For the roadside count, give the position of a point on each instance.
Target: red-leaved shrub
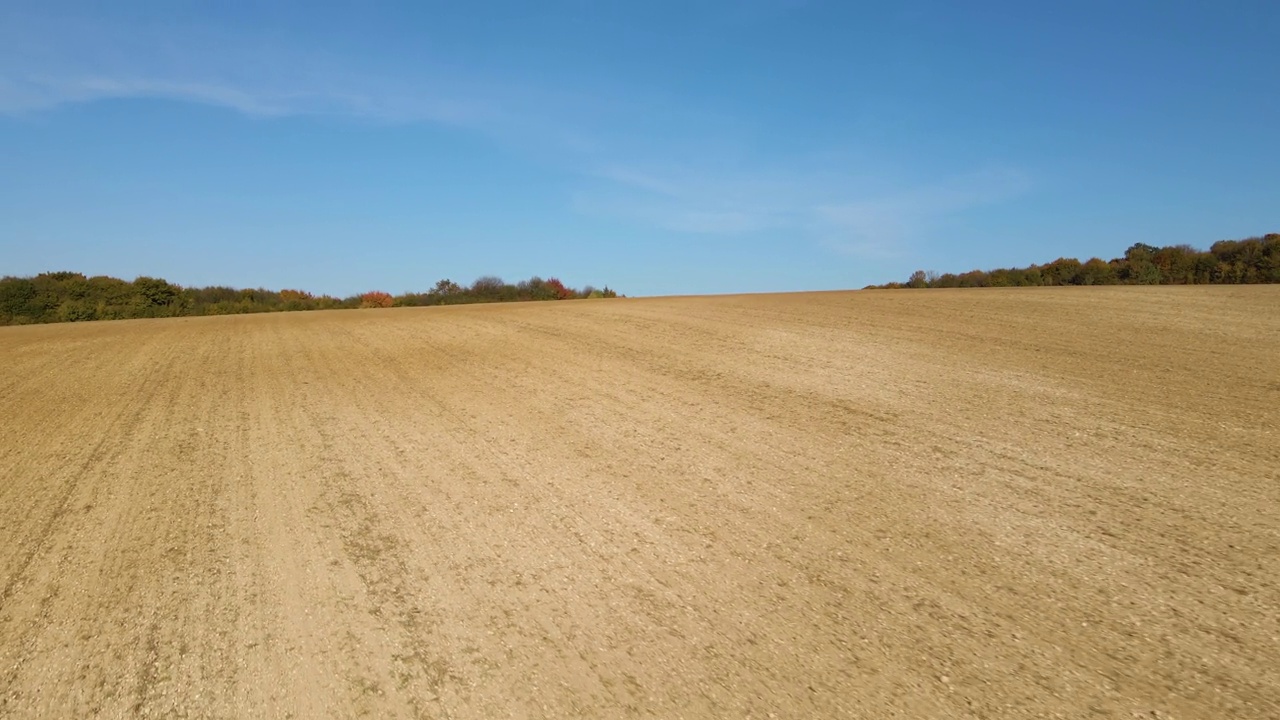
(376, 299)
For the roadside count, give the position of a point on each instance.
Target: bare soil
(999, 504)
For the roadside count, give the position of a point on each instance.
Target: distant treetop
(70, 296)
(1250, 261)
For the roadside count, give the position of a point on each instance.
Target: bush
(71, 297)
(1252, 260)
(376, 299)
(558, 289)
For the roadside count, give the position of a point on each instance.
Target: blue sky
(657, 147)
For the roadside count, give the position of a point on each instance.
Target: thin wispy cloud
(45, 64)
(351, 99)
(847, 214)
(694, 200)
(676, 216)
(881, 225)
(38, 93)
(689, 182)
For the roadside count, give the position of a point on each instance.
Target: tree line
(72, 297)
(1250, 261)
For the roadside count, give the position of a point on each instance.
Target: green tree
(155, 295)
(1097, 271)
(17, 300)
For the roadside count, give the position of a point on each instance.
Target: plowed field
(1005, 503)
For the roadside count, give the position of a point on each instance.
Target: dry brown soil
(1006, 503)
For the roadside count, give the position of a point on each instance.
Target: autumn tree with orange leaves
(376, 299)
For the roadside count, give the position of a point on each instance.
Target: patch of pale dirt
(999, 504)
